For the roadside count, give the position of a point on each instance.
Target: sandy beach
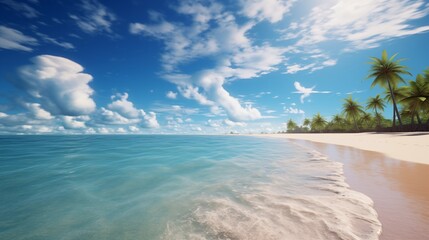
(391, 168)
(411, 147)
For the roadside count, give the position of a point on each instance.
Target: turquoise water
(175, 187)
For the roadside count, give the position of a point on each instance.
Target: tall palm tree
(318, 123)
(375, 103)
(352, 110)
(398, 93)
(417, 96)
(387, 72)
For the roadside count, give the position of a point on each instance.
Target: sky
(195, 67)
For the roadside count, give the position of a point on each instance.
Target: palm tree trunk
(395, 108)
(394, 117)
(378, 119)
(418, 118)
(354, 119)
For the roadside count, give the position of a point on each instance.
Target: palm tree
(306, 123)
(366, 119)
(398, 93)
(318, 123)
(291, 125)
(387, 72)
(417, 97)
(379, 118)
(337, 121)
(375, 103)
(352, 110)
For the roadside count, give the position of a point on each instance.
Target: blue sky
(194, 67)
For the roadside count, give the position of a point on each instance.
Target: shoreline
(404, 146)
(397, 184)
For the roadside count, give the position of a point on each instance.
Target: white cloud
(362, 24)
(171, 95)
(272, 10)
(37, 111)
(124, 107)
(15, 40)
(111, 117)
(95, 18)
(23, 8)
(305, 92)
(133, 129)
(150, 120)
(54, 41)
(60, 85)
(292, 110)
(212, 32)
(70, 122)
(234, 124)
(123, 112)
(292, 69)
(121, 130)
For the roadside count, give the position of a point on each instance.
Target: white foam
(314, 204)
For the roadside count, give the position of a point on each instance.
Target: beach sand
(411, 147)
(392, 169)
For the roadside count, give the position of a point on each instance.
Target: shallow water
(175, 187)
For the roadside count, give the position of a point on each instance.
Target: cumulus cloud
(38, 112)
(213, 32)
(70, 122)
(271, 10)
(124, 107)
(96, 18)
(123, 112)
(111, 117)
(171, 95)
(305, 92)
(15, 40)
(60, 85)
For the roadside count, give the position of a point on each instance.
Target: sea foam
(316, 203)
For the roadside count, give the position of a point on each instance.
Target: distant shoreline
(405, 146)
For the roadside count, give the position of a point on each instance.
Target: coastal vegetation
(409, 100)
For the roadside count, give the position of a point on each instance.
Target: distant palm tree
(417, 97)
(378, 118)
(352, 110)
(387, 72)
(318, 123)
(375, 103)
(291, 125)
(337, 119)
(366, 119)
(306, 123)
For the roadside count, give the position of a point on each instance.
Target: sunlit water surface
(175, 187)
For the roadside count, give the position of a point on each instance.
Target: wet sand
(399, 189)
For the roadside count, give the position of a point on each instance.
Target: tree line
(410, 101)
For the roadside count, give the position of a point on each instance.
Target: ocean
(175, 187)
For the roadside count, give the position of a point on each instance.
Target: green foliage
(412, 97)
(387, 73)
(352, 110)
(291, 126)
(318, 123)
